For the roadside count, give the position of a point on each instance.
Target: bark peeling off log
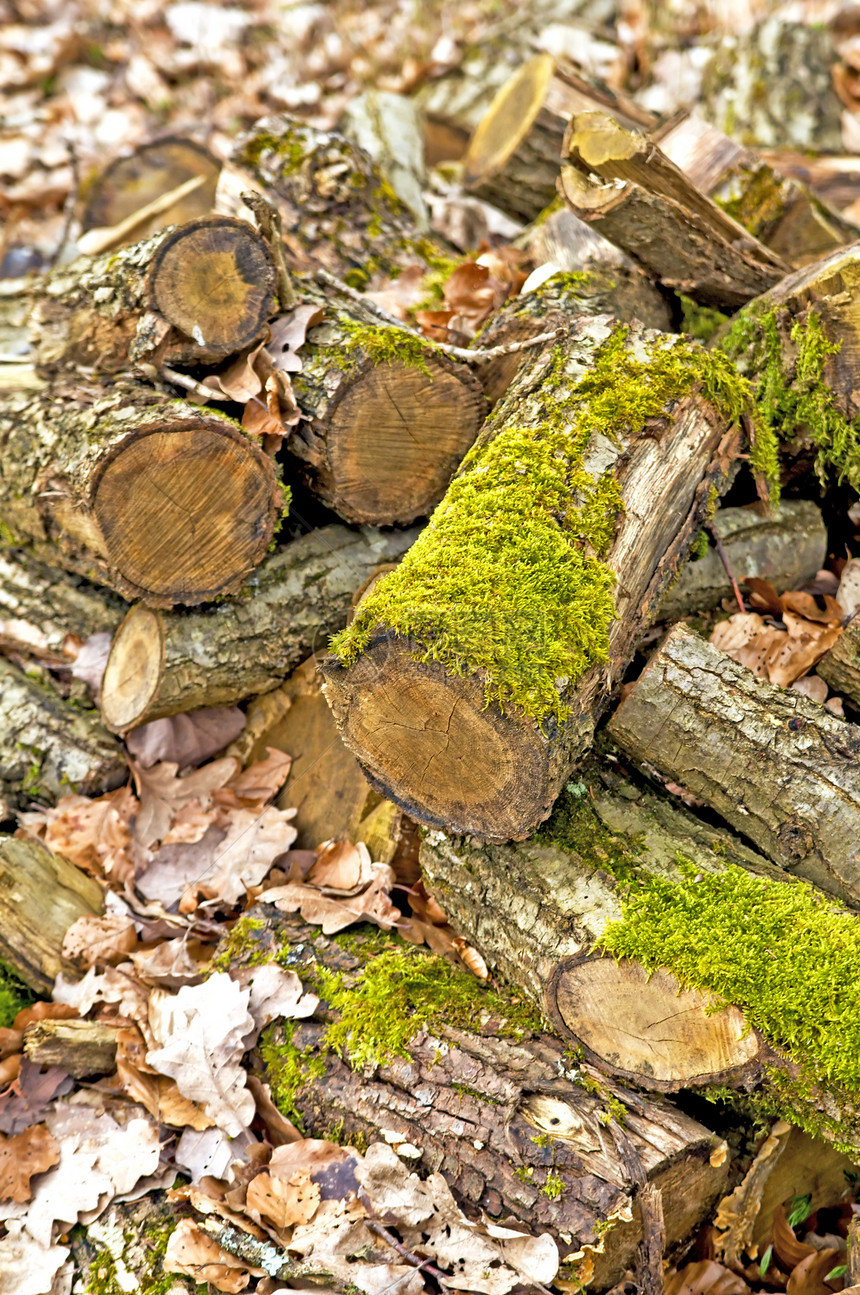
(150, 496)
(778, 767)
(500, 603)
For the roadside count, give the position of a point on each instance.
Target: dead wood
(47, 613)
(80, 1048)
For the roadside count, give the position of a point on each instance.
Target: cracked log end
(185, 512)
(214, 279)
(430, 743)
(134, 669)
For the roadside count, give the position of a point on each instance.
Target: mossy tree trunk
(164, 663)
(470, 680)
(481, 1094)
(136, 490)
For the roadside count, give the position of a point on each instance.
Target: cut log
(777, 766)
(595, 290)
(387, 418)
(786, 546)
(41, 895)
(647, 206)
(497, 1110)
(336, 208)
(164, 663)
(48, 747)
(470, 679)
(388, 127)
(148, 495)
(683, 906)
(131, 183)
(46, 614)
(212, 279)
(80, 1048)
(840, 667)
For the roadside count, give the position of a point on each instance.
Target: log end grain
(508, 119)
(134, 669)
(130, 183)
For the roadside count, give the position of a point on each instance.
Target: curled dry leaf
(471, 958)
(778, 654)
(162, 794)
(288, 336)
(91, 660)
(261, 780)
(706, 1277)
(274, 992)
(186, 739)
(788, 1250)
(341, 868)
(192, 1252)
(282, 1202)
(169, 965)
(27, 1153)
(29, 1097)
(807, 1278)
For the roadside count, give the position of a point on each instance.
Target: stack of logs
(471, 682)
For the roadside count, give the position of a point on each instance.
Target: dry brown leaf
(333, 915)
(736, 632)
(26, 1266)
(170, 965)
(28, 1098)
(92, 834)
(162, 794)
(803, 604)
(274, 992)
(279, 1130)
(11, 1041)
(400, 296)
(471, 958)
(186, 739)
(107, 939)
(811, 686)
(706, 1277)
(788, 1250)
(763, 595)
(21, 1157)
(341, 867)
(44, 1011)
(240, 380)
(283, 1202)
(192, 1252)
(261, 780)
(807, 1278)
(288, 336)
(472, 293)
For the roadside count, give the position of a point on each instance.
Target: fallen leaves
(29, 1152)
(785, 637)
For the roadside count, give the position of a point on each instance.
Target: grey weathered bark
(496, 1115)
(777, 766)
(496, 772)
(840, 667)
(162, 663)
(46, 613)
(49, 748)
(135, 489)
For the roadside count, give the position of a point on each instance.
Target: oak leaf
(27, 1153)
(104, 939)
(192, 1252)
(283, 1202)
(162, 794)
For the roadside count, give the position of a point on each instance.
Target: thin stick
(268, 220)
(724, 558)
(391, 1240)
(96, 241)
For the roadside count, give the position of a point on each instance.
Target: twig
(70, 204)
(272, 1259)
(724, 558)
(182, 380)
(465, 354)
(268, 220)
(391, 1240)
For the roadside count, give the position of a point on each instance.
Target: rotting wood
(48, 747)
(133, 489)
(778, 767)
(163, 663)
(499, 1111)
(429, 690)
(647, 206)
(41, 895)
(46, 613)
(80, 1048)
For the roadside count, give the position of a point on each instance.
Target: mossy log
(840, 667)
(45, 613)
(781, 212)
(724, 970)
(337, 210)
(480, 1095)
(646, 205)
(785, 546)
(777, 766)
(556, 303)
(471, 678)
(164, 663)
(48, 747)
(41, 895)
(144, 493)
(190, 296)
(386, 418)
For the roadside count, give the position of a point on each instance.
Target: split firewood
(595, 290)
(46, 613)
(491, 1103)
(470, 679)
(840, 666)
(80, 1048)
(784, 546)
(647, 205)
(41, 895)
(723, 968)
(193, 295)
(135, 489)
(164, 663)
(129, 186)
(387, 418)
(777, 766)
(48, 747)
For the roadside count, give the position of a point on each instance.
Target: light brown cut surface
(134, 668)
(201, 499)
(648, 1026)
(508, 119)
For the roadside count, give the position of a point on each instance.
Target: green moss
(554, 1185)
(289, 1069)
(383, 346)
(574, 825)
(103, 1278)
(758, 204)
(508, 580)
(699, 547)
(7, 535)
(403, 991)
(290, 150)
(14, 995)
(699, 321)
(242, 945)
(786, 361)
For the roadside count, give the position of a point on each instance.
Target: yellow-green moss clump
(14, 996)
(509, 580)
(785, 360)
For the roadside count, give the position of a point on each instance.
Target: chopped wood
(81, 1048)
(46, 613)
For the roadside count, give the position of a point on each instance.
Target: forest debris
(188, 739)
(780, 653)
(29, 1152)
(705, 1277)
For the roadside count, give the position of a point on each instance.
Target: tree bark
(164, 663)
(41, 895)
(46, 614)
(685, 241)
(840, 667)
(80, 1048)
(387, 418)
(491, 581)
(49, 748)
(146, 494)
(596, 290)
(778, 767)
(785, 547)
(479, 1105)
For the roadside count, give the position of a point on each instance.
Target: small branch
(182, 380)
(332, 281)
(268, 220)
(724, 558)
(272, 1259)
(391, 1240)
